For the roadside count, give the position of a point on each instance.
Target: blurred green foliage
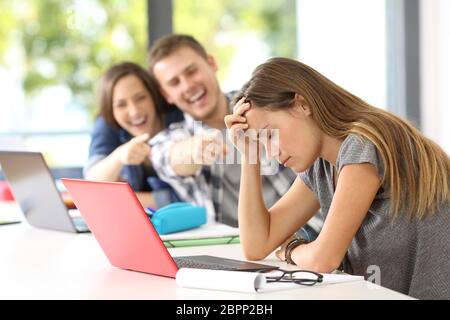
(72, 42)
(214, 22)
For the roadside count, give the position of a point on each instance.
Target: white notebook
(210, 230)
(246, 282)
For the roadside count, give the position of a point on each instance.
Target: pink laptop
(125, 233)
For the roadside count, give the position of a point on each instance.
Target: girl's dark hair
(109, 81)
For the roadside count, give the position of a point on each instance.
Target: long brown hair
(109, 81)
(416, 170)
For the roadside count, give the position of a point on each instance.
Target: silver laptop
(35, 191)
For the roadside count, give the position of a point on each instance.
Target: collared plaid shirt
(205, 188)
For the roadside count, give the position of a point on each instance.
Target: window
(240, 34)
(52, 54)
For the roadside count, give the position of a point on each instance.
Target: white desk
(42, 264)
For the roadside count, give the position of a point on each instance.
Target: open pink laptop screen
(116, 218)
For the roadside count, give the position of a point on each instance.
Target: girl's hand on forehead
(237, 118)
(241, 107)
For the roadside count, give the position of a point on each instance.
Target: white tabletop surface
(42, 264)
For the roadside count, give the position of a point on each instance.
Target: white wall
(345, 40)
(435, 70)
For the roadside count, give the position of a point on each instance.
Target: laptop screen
(35, 191)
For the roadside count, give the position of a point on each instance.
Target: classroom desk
(43, 264)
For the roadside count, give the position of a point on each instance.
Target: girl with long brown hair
(383, 187)
(132, 111)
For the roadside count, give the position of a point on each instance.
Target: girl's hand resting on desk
(135, 151)
(238, 132)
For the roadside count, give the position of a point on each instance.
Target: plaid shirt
(205, 188)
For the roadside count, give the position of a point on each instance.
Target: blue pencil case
(177, 217)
